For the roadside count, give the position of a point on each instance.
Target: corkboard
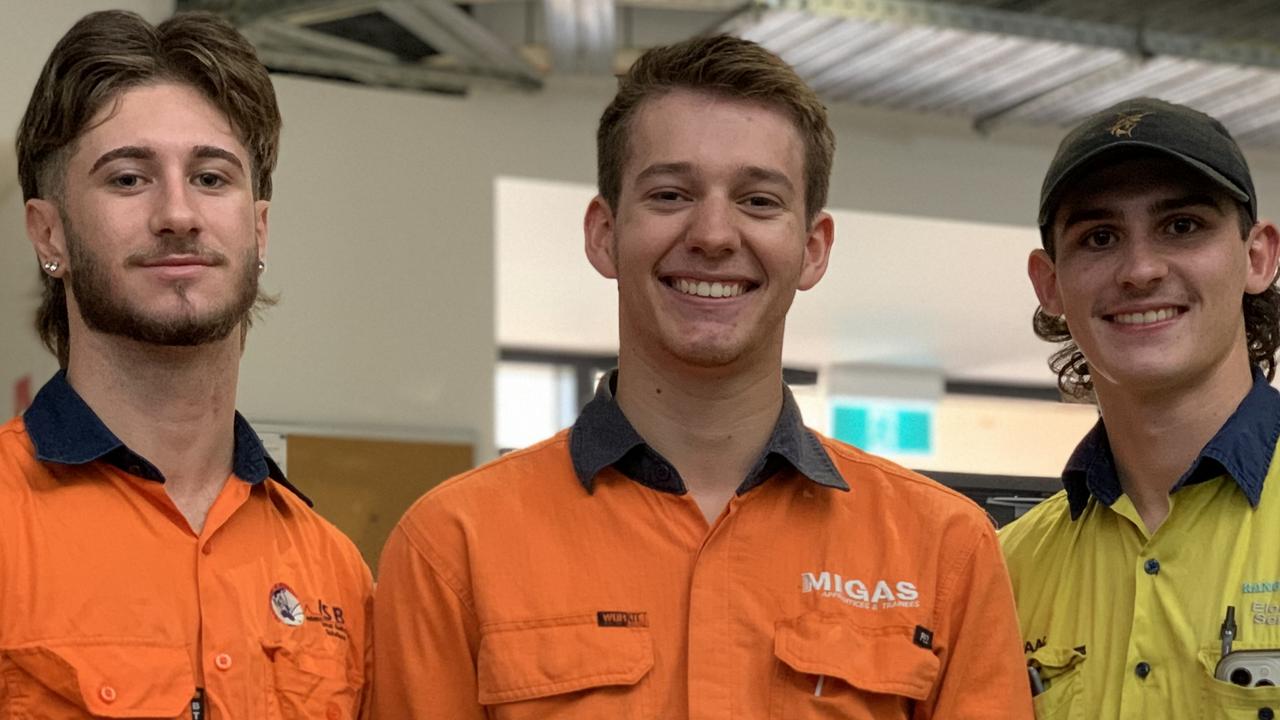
(364, 486)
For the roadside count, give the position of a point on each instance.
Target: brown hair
(1261, 327)
(107, 53)
(722, 65)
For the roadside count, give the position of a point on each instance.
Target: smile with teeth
(703, 288)
(1146, 318)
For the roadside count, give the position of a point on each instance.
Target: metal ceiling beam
(370, 73)
(268, 33)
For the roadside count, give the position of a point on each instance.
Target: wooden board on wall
(364, 486)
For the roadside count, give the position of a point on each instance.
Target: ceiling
(990, 61)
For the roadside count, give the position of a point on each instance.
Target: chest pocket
(1061, 671)
(565, 668)
(75, 681)
(309, 680)
(827, 668)
(1224, 701)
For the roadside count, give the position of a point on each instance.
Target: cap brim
(1055, 193)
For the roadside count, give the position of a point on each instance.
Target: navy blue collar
(1241, 449)
(602, 436)
(65, 430)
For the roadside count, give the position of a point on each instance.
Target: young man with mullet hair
(688, 549)
(1147, 588)
(154, 562)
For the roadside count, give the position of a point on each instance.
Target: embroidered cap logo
(1125, 124)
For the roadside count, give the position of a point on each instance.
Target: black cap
(1149, 124)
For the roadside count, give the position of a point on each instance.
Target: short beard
(106, 310)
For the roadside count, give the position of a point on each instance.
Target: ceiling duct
(581, 35)
(429, 45)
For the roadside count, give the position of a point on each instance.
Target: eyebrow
(752, 172)
(762, 174)
(137, 152)
(1090, 214)
(217, 153)
(676, 168)
(133, 152)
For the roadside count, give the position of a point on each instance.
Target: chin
(707, 354)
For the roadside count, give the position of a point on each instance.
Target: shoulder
(17, 454)
(325, 545)
(517, 484)
(1036, 531)
(893, 489)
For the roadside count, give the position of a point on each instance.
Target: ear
(44, 230)
(1264, 252)
(597, 227)
(817, 250)
(260, 208)
(1044, 278)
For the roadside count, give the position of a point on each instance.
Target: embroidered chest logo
(1126, 123)
(330, 617)
(289, 610)
(1262, 611)
(285, 605)
(867, 595)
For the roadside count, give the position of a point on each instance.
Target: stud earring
(261, 266)
(51, 266)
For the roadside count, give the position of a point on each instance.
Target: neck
(711, 423)
(1155, 435)
(174, 406)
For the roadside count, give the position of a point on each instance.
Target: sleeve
(984, 674)
(425, 639)
(366, 692)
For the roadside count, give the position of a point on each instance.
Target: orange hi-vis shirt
(110, 606)
(577, 580)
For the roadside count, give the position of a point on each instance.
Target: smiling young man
(688, 549)
(1158, 276)
(153, 559)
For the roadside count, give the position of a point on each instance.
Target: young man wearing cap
(154, 562)
(688, 549)
(1157, 276)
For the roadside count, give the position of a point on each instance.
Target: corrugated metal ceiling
(1029, 61)
(992, 61)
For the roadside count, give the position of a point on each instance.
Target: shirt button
(1266, 714)
(333, 712)
(208, 548)
(107, 693)
(1152, 566)
(222, 661)
(1142, 669)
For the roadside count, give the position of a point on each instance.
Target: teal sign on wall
(884, 427)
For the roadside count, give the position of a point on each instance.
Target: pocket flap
(872, 659)
(1053, 660)
(521, 661)
(112, 680)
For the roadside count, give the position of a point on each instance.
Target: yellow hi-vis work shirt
(1127, 624)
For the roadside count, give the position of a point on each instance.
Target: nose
(175, 210)
(1142, 263)
(712, 229)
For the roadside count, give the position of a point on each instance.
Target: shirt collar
(1241, 449)
(65, 430)
(603, 437)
